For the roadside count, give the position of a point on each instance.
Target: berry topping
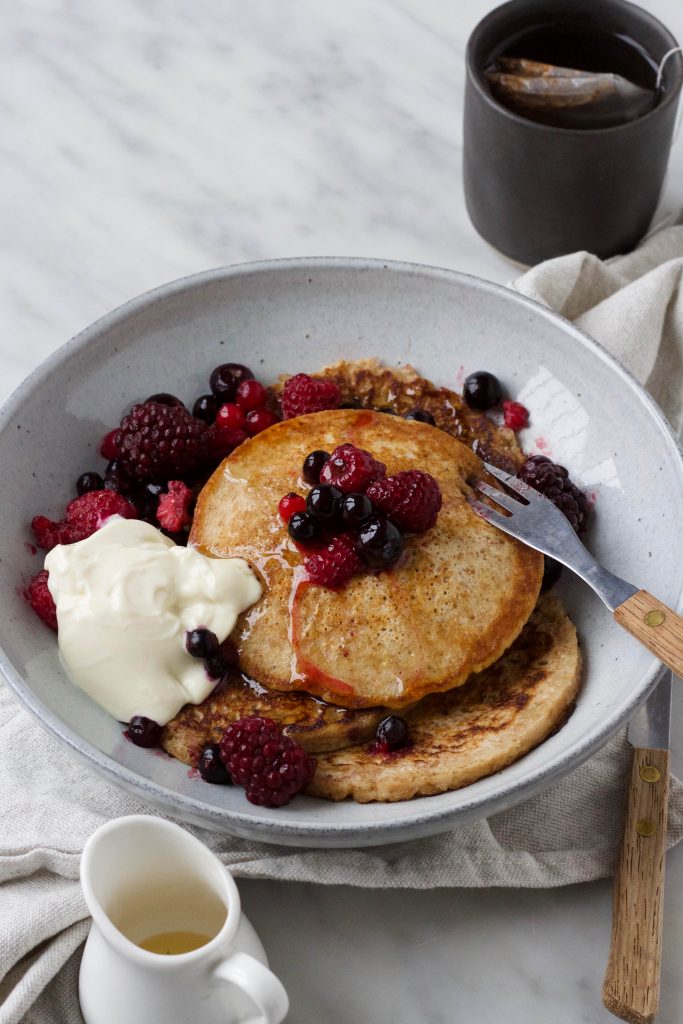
(161, 442)
(218, 665)
(351, 469)
(164, 398)
(230, 417)
(515, 415)
(325, 504)
(226, 378)
(335, 563)
(482, 390)
(258, 420)
(211, 767)
(89, 482)
(251, 395)
(201, 642)
(313, 463)
(303, 528)
(422, 416)
(392, 734)
(356, 508)
(380, 543)
(553, 480)
(205, 408)
(302, 394)
(220, 441)
(116, 478)
(84, 515)
(271, 767)
(143, 732)
(41, 600)
(173, 510)
(290, 504)
(108, 445)
(412, 498)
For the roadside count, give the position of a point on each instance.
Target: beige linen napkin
(49, 803)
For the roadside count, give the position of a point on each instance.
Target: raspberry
(335, 563)
(271, 767)
(515, 415)
(83, 517)
(351, 469)
(412, 499)
(173, 511)
(302, 394)
(290, 504)
(41, 600)
(553, 481)
(161, 442)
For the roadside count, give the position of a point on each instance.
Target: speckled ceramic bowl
(297, 315)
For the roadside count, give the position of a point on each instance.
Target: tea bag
(566, 97)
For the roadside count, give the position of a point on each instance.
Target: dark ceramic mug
(534, 191)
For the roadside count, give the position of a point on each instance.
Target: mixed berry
(354, 517)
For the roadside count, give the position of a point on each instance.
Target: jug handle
(259, 983)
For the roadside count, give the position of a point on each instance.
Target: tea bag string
(658, 84)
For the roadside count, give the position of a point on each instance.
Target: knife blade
(631, 986)
(650, 727)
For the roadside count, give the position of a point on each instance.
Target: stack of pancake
(455, 639)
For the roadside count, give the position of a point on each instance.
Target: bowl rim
(293, 830)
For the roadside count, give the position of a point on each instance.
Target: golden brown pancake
(460, 597)
(374, 386)
(475, 730)
(315, 725)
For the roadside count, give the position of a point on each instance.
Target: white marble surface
(142, 140)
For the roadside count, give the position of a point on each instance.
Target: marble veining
(144, 141)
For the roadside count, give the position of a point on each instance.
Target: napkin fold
(50, 803)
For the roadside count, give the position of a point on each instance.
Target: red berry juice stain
(591, 498)
(460, 378)
(31, 548)
(303, 669)
(193, 773)
(542, 445)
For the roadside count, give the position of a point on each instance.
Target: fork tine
(500, 497)
(489, 514)
(513, 482)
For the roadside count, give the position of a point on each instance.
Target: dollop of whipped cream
(126, 597)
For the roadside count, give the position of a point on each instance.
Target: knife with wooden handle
(631, 987)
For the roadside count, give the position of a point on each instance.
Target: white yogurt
(126, 597)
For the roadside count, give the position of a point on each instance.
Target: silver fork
(535, 520)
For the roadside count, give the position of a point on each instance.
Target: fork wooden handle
(656, 626)
(631, 986)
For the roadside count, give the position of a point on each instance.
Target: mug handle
(259, 983)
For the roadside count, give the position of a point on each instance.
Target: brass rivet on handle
(649, 773)
(654, 618)
(645, 827)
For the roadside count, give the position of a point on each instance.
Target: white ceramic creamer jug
(148, 882)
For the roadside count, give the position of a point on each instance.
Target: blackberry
(161, 442)
(552, 480)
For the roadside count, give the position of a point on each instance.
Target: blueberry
(201, 642)
(482, 390)
(313, 463)
(216, 666)
(380, 542)
(153, 490)
(303, 528)
(89, 482)
(422, 416)
(226, 378)
(393, 732)
(163, 398)
(211, 767)
(116, 478)
(143, 732)
(205, 408)
(324, 503)
(356, 508)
